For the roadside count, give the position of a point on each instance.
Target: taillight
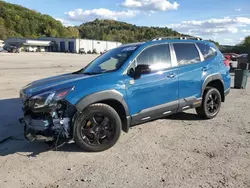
(226, 62)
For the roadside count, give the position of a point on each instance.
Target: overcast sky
(225, 21)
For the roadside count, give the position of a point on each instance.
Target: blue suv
(129, 85)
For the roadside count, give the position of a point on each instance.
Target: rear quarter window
(207, 51)
(186, 53)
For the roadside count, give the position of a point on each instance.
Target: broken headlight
(48, 99)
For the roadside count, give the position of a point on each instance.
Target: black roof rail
(180, 38)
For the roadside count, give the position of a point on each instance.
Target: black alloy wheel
(97, 128)
(211, 103)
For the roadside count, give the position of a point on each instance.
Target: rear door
(190, 69)
(209, 55)
(214, 63)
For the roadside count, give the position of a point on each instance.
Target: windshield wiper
(77, 72)
(91, 73)
(87, 73)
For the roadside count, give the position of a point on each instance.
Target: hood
(52, 83)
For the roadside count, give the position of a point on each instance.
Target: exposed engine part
(65, 123)
(51, 125)
(61, 124)
(39, 124)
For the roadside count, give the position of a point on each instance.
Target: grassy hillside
(17, 21)
(121, 31)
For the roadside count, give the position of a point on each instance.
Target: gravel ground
(178, 151)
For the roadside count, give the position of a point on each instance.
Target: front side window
(110, 61)
(157, 57)
(186, 53)
(206, 51)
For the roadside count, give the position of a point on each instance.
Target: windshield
(110, 61)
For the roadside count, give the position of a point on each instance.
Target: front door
(156, 93)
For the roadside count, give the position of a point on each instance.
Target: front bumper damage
(50, 125)
(45, 130)
(34, 129)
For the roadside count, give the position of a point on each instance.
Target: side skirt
(164, 110)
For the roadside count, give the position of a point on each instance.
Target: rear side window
(158, 57)
(206, 51)
(186, 53)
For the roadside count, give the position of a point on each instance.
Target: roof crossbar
(180, 38)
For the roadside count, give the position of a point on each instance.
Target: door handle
(172, 75)
(204, 69)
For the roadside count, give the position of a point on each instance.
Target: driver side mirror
(139, 70)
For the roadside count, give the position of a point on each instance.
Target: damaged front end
(47, 116)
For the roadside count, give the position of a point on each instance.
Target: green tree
(216, 43)
(242, 48)
(3, 32)
(73, 32)
(16, 21)
(246, 42)
(121, 31)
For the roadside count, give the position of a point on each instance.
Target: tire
(89, 124)
(205, 110)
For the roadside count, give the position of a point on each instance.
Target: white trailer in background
(95, 45)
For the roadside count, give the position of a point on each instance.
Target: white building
(52, 44)
(74, 45)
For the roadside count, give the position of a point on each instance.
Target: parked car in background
(232, 59)
(233, 56)
(1, 49)
(94, 51)
(103, 52)
(82, 51)
(227, 59)
(39, 49)
(243, 56)
(13, 49)
(31, 49)
(126, 86)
